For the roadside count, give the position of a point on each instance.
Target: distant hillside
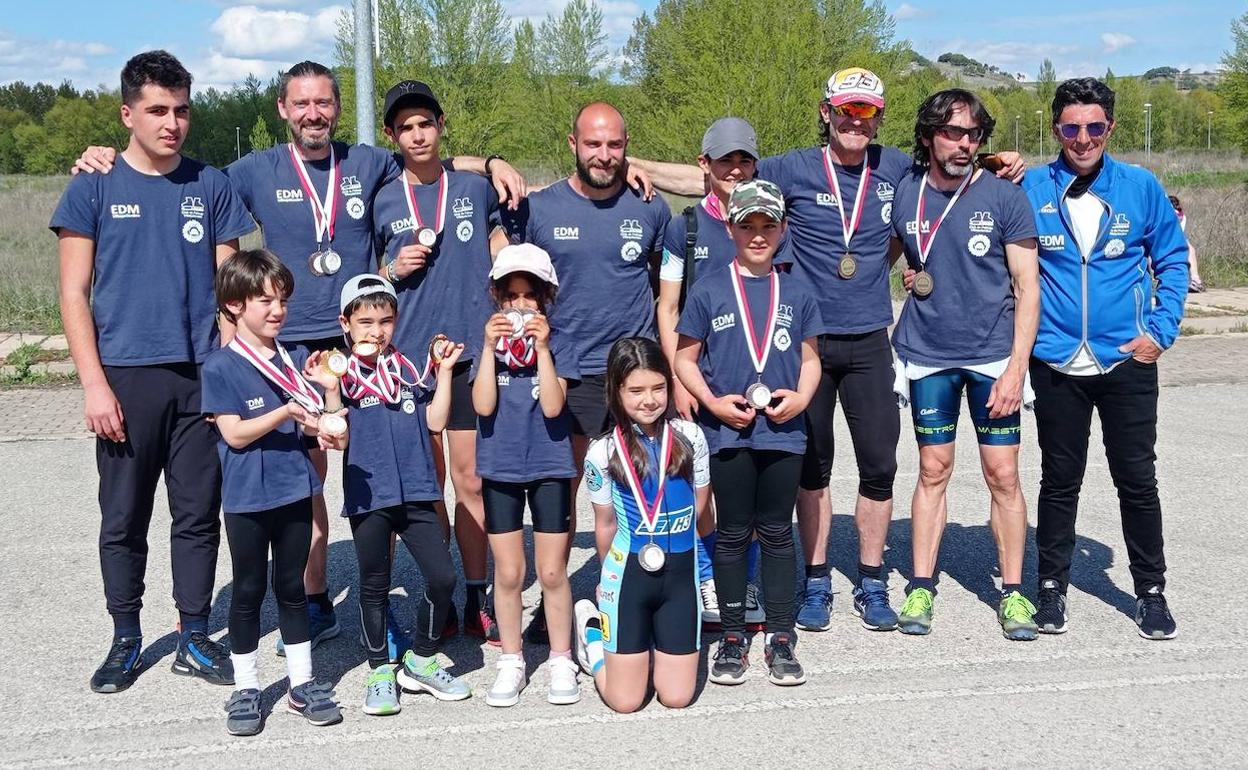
(975, 74)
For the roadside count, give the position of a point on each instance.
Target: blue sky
(221, 41)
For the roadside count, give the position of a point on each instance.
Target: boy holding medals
(390, 487)
(747, 352)
(262, 406)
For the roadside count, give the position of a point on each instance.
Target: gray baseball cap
(729, 135)
(361, 286)
(755, 195)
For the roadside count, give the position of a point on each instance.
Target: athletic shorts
(463, 416)
(641, 611)
(550, 501)
(934, 403)
(587, 402)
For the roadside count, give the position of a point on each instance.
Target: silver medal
(425, 236)
(331, 261)
(651, 557)
(314, 263)
(758, 395)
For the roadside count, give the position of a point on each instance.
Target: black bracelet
(490, 160)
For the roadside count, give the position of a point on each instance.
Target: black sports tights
(288, 531)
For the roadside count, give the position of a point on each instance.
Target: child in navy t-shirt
(524, 452)
(390, 487)
(264, 405)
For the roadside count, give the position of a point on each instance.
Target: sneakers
(397, 642)
(871, 605)
(1153, 617)
(755, 614)
(242, 712)
(916, 613)
(1050, 614)
(314, 701)
(782, 666)
(710, 601)
(322, 625)
(429, 676)
(120, 667)
(1016, 614)
(381, 693)
(479, 622)
(731, 660)
(510, 680)
(583, 612)
(815, 614)
(536, 633)
(202, 657)
(564, 689)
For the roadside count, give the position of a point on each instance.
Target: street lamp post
(238, 147)
(1040, 121)
(1016, 119)
(1148, 131)
(1209, 132)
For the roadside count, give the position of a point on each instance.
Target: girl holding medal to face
(524, 453)
(390, 487)
(645, 479)
(263, 405)
(747, 352)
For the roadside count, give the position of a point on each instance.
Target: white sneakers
(511, 680)
(564, 688)
(710, 601)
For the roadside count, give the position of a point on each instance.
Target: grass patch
(1190, 331)
(25, 360)
(1197, 311)
(1212, 179)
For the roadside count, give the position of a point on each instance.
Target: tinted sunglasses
(955, 133)
(860, 110)
(1071, 130)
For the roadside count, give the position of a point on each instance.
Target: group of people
(684, 370)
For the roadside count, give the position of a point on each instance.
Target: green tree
(573, 46)
(1235, 87)
(260, 138)
(1046, 81)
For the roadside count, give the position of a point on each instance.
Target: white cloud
(906, 11)
(35, 60)
(1010, 56)
(617, 16)
(217, 70)
(1116, 41)
(246, 31)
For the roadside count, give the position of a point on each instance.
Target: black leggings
(288, 530)
(550, 501)
(754, 493)
(417, 524)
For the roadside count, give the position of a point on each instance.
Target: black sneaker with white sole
(201, 657)
(732, 659)
(1153, 617)
(1050, 614)
(120, 667)
(782, 665)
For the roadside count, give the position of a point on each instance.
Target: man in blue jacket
(1106, 233)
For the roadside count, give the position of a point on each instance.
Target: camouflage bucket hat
(755, 195)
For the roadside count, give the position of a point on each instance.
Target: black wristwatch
(490, 160)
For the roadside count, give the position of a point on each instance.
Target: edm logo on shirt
(1052, 242)
(912, 228)
(125, 211)
(825, 199)
(401, 225)
(289, 196)
(725, 321)
(567, 234)
(255, 403)
(701, 252)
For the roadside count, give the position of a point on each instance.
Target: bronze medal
(848, 266)
(439, 348)
(923, 284)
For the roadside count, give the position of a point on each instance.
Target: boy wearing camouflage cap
(747, 352)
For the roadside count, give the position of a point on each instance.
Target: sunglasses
(860, 110)
(955, 133)
(1071, 130)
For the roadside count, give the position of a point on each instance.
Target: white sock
(246, 677)
(299, 663)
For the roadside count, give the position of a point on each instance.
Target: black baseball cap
(409, 93)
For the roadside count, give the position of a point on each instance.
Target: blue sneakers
(815, 614)
(121, 667)
(321, 626)
(198, 655)
(871, 605)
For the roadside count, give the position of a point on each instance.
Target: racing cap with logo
(755, 195)
(409, 93)
(361, 286)
(524, 258)
(729, 135)
(854, 84)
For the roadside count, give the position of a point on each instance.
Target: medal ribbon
(517, 352)
(291, 380)
(848, 227)
(759, 350)
(323, 211)
(386, 380)
(414, 210)
(649, 513)
(925, 247)
(714, 208)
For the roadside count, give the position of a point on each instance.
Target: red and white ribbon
(649, 512)
(286, 377)
(760, 349)
(517, 352)
(385, 380)
(323, 210)
(925, 246)
(848, 226)
(414, 210)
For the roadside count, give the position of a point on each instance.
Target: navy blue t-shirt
(389, 459)
(711, 315)
(270, 186)
(518, 443)
(712, 249)
(450, 295)
(274, 470)
(152, 295)
(815, 237)
(968, 318)
(601, 252)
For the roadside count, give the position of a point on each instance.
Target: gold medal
(848, 266)
(335, 363)
(439, 348)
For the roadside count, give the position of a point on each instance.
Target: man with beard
(839, 196)
(605, 241)
(968, 325)
(313, 199)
